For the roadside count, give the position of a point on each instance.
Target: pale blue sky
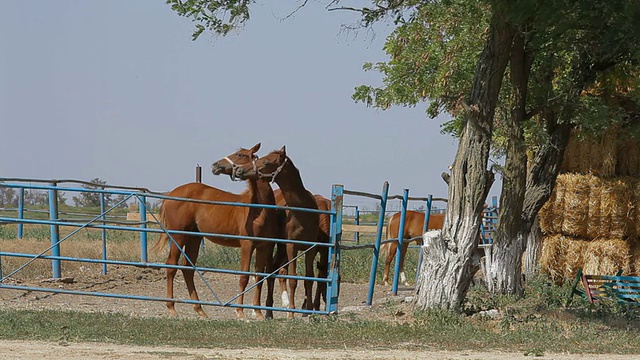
(117, 90)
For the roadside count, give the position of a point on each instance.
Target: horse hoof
(239, 315)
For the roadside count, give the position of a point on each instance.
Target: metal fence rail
(100, 221)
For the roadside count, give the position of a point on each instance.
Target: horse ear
(283, 149)
(255, 148)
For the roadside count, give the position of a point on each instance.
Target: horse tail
(384, 248)
(164, 237)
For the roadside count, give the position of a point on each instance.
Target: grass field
(534, 325)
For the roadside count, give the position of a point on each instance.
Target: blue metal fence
(100, 221)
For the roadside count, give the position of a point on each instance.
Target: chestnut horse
(413, 230)
(278, 167)
(322, 264)
(220, 219)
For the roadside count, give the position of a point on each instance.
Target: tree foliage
(89, 199)
(516, 75)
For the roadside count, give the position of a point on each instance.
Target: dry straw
(571, 159)
(591, 207)
(546, 214)
(551, 259)
(576, 205)
(624, 212)
(558, 205)
(635, 260)
(605, 154)
(586, 153)
(593, 217)
(636, 202)
(575, 249)
(607, 256)
(628, 158)
(562, 256)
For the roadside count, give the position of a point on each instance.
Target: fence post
(198, 173)
(376, 246)
(55, 231)
(356, 235)
(333, 287)
(21, 212)
(143, 225)
(104, 233)
(403, 214)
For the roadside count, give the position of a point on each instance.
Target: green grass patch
(431, 329)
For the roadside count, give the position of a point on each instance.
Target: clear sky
(118, 90)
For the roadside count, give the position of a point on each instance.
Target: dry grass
(72, 247)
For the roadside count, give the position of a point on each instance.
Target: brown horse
(413, 226)
(220, 219)
(278, 167)
(322, 264)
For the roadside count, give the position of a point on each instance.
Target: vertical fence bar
(396, 272)
(425, 227)
(356, 235)
(143, 225)
(376, 246)
(20, 212)
(333, 288)
(55, 231)
(104, 233)
(198, 173)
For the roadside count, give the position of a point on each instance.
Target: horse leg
(172, 259)
(393, 247)
(293, 283)
(309, 262)
(261, 265)
(279, 261)
(191, 250)
(323, 272)
(246, 250)
(403, 277)
(307, 304)
(269, 268)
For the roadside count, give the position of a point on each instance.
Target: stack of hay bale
(592, 219)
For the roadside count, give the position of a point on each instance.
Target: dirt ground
(147, 282)
(152, 283)
(82, 351)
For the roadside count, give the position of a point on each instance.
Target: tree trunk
(448, 265)
(507, 255)
(504, 273)
(532, 252)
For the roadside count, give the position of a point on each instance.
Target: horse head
(229, 164)
(266, 167)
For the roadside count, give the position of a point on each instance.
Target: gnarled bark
(448, 265)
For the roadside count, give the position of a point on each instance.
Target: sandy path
(71, 351)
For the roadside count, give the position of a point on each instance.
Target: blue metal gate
(101, 221)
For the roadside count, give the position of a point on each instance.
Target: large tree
(557, 51)
(458, 55)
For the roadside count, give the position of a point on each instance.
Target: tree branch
(304, 3)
